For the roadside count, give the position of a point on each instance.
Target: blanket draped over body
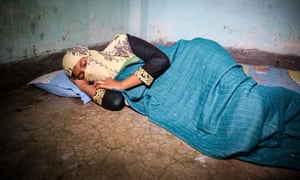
(206, 100)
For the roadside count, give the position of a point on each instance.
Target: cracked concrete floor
(49, 137)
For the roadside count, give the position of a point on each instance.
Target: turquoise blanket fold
(206, 100)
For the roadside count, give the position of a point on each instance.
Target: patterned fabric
(144, 76)
(97, 98)
(72, 56)
(119, 46)
(110, 61)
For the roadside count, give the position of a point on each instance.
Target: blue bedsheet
(206, 100)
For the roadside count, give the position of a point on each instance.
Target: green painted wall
(37, 27)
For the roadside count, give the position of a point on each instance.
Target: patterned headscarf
(101, 64)
(72, 56)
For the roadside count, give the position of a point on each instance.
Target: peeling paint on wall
(39, 27)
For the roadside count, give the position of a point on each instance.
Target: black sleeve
(113, 100)
(156, 62)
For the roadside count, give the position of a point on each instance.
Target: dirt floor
(44, 136)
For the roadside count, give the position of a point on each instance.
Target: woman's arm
(156, 63)
(110, 83)
(108, 99)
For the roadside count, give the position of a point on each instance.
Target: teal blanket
(206, 100)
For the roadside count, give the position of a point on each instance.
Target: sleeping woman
(203, 97)
(100, 68)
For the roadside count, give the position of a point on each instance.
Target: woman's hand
(108, 83)
(82, 84)
(85, 87)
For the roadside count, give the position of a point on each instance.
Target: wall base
(257, 57)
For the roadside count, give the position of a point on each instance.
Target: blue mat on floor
(272, 76)
(206, 100)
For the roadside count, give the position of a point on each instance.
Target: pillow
(58, 83)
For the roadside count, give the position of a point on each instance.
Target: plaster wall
(32, 28)
(267, 25)
(36, 27)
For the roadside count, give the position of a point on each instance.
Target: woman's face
(79, 68)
